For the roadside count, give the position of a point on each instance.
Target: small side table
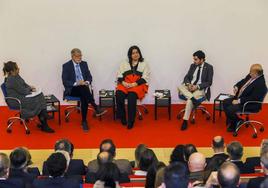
(218, 104)
(53, 105)
(107, 99)
(164, 101)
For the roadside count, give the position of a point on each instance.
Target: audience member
(57, 165)
(5, 181)
(148, 159)
(235, 151)
(189, 149)
(138, 151)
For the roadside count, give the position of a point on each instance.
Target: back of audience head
(57, 164)
(189, 149)
(108, 145)
(18, 158)
(197, 162)
(109, 174)
(104, 157)
(4, 165)
(148, 158)
(228, 175)
(235, 150)
(177, 154)
(65, 145)
(138, 151)
(176, 175)
(218, 144)
(264, 162)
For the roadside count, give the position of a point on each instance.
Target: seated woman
(132, 78)
(17, 88)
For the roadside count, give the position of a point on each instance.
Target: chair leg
(12, 120)
(250, 123)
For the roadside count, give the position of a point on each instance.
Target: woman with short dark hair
(30, 106)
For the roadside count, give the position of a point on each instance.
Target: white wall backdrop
(39, 34)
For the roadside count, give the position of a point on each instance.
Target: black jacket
(55, 183)
(256, 91)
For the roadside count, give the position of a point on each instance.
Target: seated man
(108, 145)
(176, 175)
(235, 151)
(57, 164)
(196, 84)
(18, 167)
(256, 182)
(228, 176)
(251, 88)
(196, 165)
(219, 156)
(76, 166)
(5, 182)
(76, 79)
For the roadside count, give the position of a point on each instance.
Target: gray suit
(17, 88)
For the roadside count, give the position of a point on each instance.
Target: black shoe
(130, 125)
(85, 126)
(123, 121)
(196, 103)
(99, 111)
(231, 128)
(184, 125)
(47, 129)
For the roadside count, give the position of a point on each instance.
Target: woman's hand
(33, 89)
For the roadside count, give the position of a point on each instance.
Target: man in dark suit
(76, 166)
(228, 176)
(235, 151)
(219, 156)
(196, 84)
(56, 165)
(251, 88)
(256, 182)
(76, 79)
(18, 169)
(5, 182)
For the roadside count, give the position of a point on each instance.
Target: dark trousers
(230, 111)
(43, 115)
(86, 97)
(132, 105)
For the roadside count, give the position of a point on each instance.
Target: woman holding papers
(32, 102)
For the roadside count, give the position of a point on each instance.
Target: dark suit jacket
(216, 161)
(34, 171)
(10, 183)
(244, 169)
(256, 182)
(256, 91)
(91, 177)
(55, 183)
(19, 174)
(253, 161)
(68, 75)
(206, 77)
(76, 167)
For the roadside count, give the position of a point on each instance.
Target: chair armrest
(250, 102)
(14, 99)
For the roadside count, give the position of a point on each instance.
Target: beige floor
(38, 156)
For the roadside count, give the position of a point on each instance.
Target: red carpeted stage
(155, 133)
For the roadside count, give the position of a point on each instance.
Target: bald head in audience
(4, 165)
(197, 162)
(228, 175)
(218, 144)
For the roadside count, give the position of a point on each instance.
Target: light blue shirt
(78, 73)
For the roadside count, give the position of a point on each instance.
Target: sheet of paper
(222, 97)
(33, 94)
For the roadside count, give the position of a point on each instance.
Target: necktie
(198, 75)
(244, 87)
(78, 73)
